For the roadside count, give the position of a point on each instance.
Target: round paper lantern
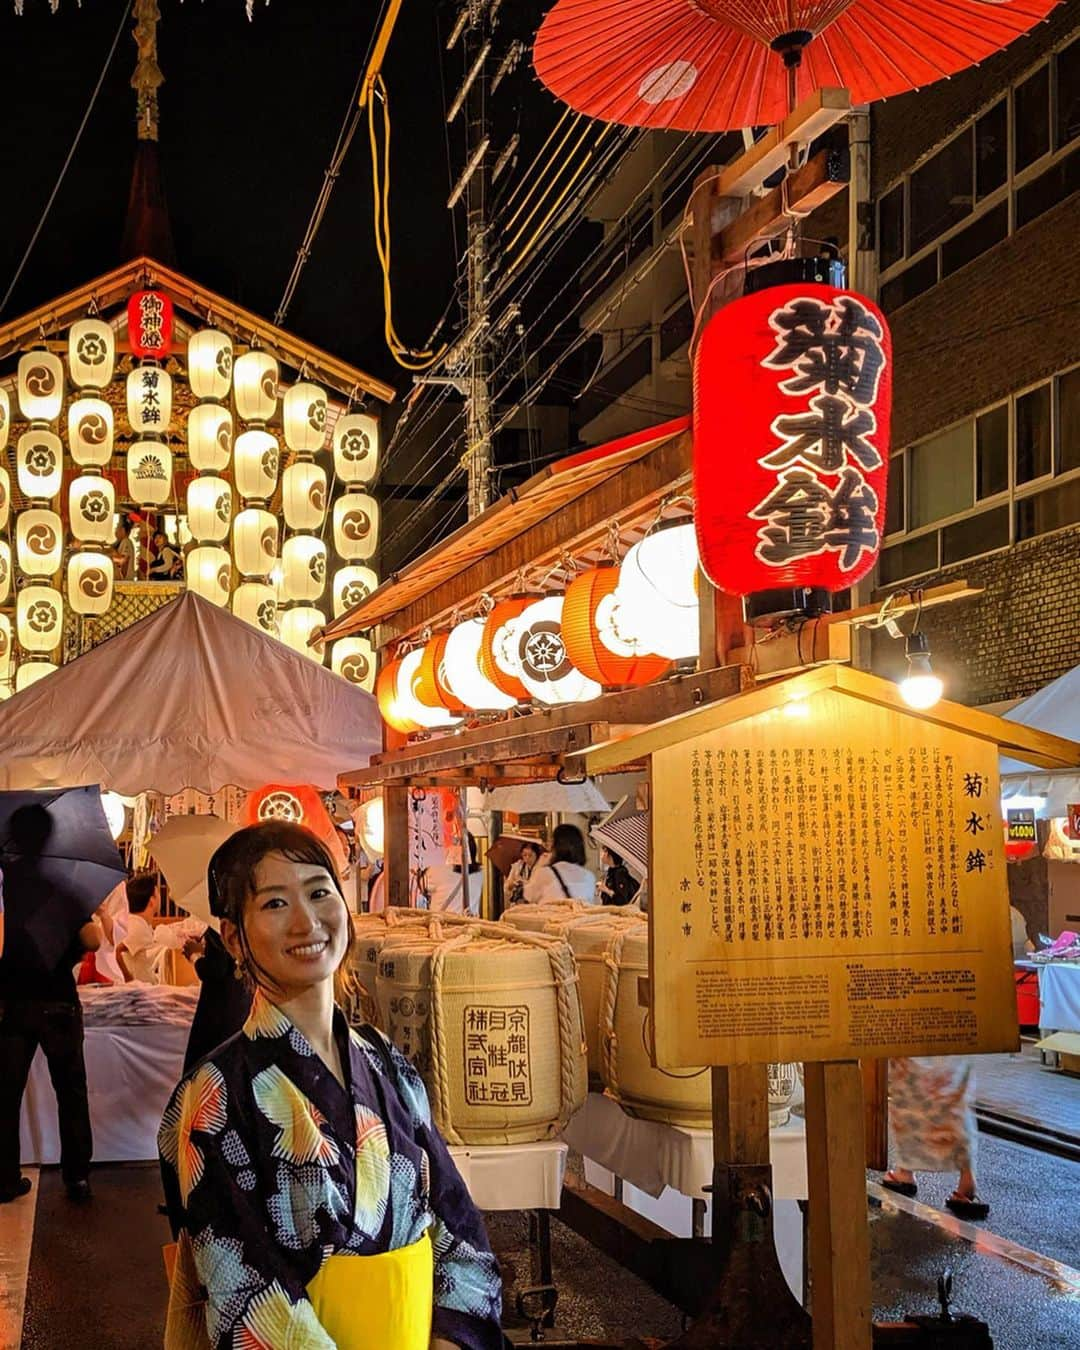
(90, 432)
(431, 676)
(255, 465)
(354, 660)
(30, 672)
(255, 382)
(90, 582)
(39, 618)
(792, 396)
(149, 473)
(255, 542)
(40, 386)
(39, 542)
(303, 565)
(210, 437)
(7, 649)
(149, 399)
(498, 646)
(5, 497)
(352, 585)
(39, 459)
(208, 572)
(654, 607)
(6, 570)
(386, 697)
(295, 627)
(408, 702)
(5, 418)
(545, 669)
(303, 495)
(150, 324)
(356, 526)
(371, 827)
(91, 506)
(356, 448)
(91, 353)
(256, 603)
(462, 674)
(210, 363)
(303, 416)
(588, 653)
(209, 509)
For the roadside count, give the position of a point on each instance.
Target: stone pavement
(1022, 1088)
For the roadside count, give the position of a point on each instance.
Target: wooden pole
(839, 1229)
(396, 824)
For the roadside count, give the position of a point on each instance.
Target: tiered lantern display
(91, 496)
(208, 567)
(39, 531)
(255, 531)
(356, 459)
(304, 556)
(149, 398)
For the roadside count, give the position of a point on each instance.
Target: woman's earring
(237, 974)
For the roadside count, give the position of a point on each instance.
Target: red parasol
(716, 65)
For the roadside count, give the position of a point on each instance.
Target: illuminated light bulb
(30, 672)
(356, 448)
(39, 542)
(356, 526)
(5, 418)
(303, 566)
(6, 571)
(39, 617)
(920, 688)
(256, 603)
(149, 400)
(90, 578)
(255, 542)
(115, 813)
(354, 660)
(303, 495)
(149, 473)
(39, 458)
(208, 571)
(91, 507)
(209, 509)
(542, 663)
(296, 626)
(351, 586)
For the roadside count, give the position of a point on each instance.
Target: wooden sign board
(828, 882)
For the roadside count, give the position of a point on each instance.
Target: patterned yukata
(932, 1114)
(271, 1167)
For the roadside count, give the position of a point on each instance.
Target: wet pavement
(1020, 1087)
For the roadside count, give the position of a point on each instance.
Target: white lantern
(296, 625)
(5, 418)
(90, 432)
(356, 448)
(210, 437)
(210, 363)
(208, 572)
(149, 473)
(149, 399)
(39, 618)
(7, 650)
(371, 823)
(256, 603)
(255, 542)
(209, 509)
(91, 506)
(115, 813)
(352, 585)
(90, 582)
(303, 415)
(356, 526)
(39, 459)
(40, 386)
(30, 672)
(5, 497)
(654, 608)
(303, 565)
(6, 569)
(542, 665)
(255, 381)
(461, 669)
(255, 465)
(354, 660)
(303, 495)
(91, 353)
(39, 542)
(409, 705)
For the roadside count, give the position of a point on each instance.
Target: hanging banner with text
(829, 883)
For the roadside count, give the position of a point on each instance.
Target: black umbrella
(59, 862)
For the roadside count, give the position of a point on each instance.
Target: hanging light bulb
(354, 660)
(29, 672)
(5, 571)
(210, 437)
(351, 586)
(296, 625)
(40, 386)
(39, 618)
(256, 465)
(90, 578)
(149, 400)
(208, 572)
(39, 458)
(149, 473)
(91, 506)
(256, 603)
(461, 669)
(356, 448)
(303, 565)
(209, 509)
(303, 417)
(920, 688)
(39, 542)
(255, 542)
(356, 526)
(255, 382)
(210, 363)
(90, 431)
(91, 353)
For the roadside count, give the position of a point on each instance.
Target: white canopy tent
(189, 697)
(1056, 709)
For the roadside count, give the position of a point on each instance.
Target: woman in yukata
(321, 1207)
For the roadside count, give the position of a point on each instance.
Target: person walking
(618, 886)
(521, 871)
(313, 1200)
(564, 875)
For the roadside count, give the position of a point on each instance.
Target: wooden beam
(819, 179)
(814, 116)
(813, 643)
(396, 827)
(912, 600)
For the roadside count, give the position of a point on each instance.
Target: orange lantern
(386, 697)
(428, 685)
(496, 640)
(299, 804)
(583, 643)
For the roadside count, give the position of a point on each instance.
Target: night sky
(249, 116)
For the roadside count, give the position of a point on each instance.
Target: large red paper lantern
(792, 395)
(299, 804)
(386, 697)
(150, 324)
(583, 643)
(496, 640)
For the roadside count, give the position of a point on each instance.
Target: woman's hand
(194, 947)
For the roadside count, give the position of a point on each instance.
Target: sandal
(968, 1207)
(908, 1188)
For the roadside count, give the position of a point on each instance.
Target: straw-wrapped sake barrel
(371, 931)
(681, 1097)
(535, 918)
(492, 1020)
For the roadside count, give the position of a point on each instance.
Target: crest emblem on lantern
(41, 539)
(150, 469)
(267, 616)
(223, 507)
(42, 616)
(94, 582)
(91, 349)
(355, 525)
(94, 505)
(281, 806)
(542, 652)
(93, 429)
(355, 668)
(40, 461)
(41, 381)
(355, 445)
(353, 593)
(223, 362)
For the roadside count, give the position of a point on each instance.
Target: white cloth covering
(513, 1176)
(1059, 996)
(543, 885)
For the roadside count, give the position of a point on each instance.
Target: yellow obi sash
(377, 1302)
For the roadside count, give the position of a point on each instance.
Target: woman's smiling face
(296, 924)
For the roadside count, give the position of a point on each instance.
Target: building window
(939, 476)
(940, 193)
(1067, 64)
(992, 150)
(1069, 421)
(891, 227)
(1031, 119)
(1033, 458)
(992, 452)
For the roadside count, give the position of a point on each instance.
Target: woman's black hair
(616, 858)
(231, 878)
(140, 890)
(567, 845)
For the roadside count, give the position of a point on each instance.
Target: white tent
(1055, 709)
(189, 697)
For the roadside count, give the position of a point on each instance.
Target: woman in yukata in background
(300, 1162)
